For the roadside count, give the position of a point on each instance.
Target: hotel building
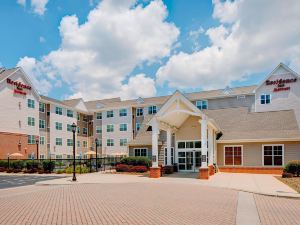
(242, 129)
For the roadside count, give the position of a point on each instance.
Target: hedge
(293, 167)
(3, 163)
(18, 164)
(48, 165)
(131, 168)
(136, 161)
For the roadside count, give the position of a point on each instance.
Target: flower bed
(131, 168)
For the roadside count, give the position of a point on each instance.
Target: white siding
(14, 108)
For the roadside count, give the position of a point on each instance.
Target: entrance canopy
(176, 111)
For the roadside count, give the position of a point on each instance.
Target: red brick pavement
(278, 211)
(135, 203)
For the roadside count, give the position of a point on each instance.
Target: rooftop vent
(227, 90)
(140, 100)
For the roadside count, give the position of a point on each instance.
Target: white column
(203, 122)
(210, 146)
(155, 133)
(169, 139)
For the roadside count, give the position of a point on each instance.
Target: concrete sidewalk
(255, 183)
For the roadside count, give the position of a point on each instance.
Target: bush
(60, 171)
(48, 166)
(287, 175)
(4, 163)
(168, 169)
(136, 161)
(32, 165)
(293, 167)
(17, 165)
(78, 170)
(131, 168)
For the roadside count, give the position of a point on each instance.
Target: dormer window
(201, 104)
(265, 99)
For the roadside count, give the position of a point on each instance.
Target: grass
(291, 182)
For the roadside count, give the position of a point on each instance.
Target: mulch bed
(291, 182)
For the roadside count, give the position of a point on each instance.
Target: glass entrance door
(189, 161)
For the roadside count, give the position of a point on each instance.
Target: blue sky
(205, 45)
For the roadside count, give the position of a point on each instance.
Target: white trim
(257, 140)
(242, 155)
(166, 149)
(140, 149)
(123, 130)
(263, 159)
(137, 112)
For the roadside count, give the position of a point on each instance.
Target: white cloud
(253, 36)
(194, 37)
(37, 6)
(96, 57)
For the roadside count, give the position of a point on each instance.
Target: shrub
(131, 168)
(48, 165)
(60, 171)
(4, 163)
(32, 165)
(17, 165)
(293, 167)
(2, 169)
(168, 169)
(78, 170)
(287, 175)
(136, 161)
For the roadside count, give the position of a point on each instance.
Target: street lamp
(74, 168)
(37, 147)
(96, 142)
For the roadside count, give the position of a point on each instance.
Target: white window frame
(125, 125)
(57, 141)
(263, 94)
(30, 103)
(68, 115)
(57, 125)
(151, 108)
(111, 130)
(137, 126)
(126, 142)
(30, 139)
(30, 121)
(69, 126)
(110, 114)
(98, 113)
(97, 128)
(69, 142)
(84, 144)
(140, 152)
(139, 114)
(44, 108)
(165, 151)
(113, 142)
(122, 114)
(44, 140)
(84, 131)
(200, 106)
(57, 111)
(44, 122)
(242, 155)
(263, 154)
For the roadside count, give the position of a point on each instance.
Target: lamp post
(74, 167)
(37, 147)
(96, 142)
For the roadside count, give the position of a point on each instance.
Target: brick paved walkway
(278, 211)
(120, 204)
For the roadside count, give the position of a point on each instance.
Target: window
(30, 121)
(58, 156)
(265, 99)
(69, 127)
(98, 130)
(188, 144)
(42, 124)
(42, 140)
(99, 143)
(69, 142)
(201, 104)
(99, 116)
(42, 107)
(30, 103)
(110, 128)
(123, 142)
(233, 155)
(140, 152)
(110, 114)
(58, 126)
(172, 156)
(69, 113)
(273, 155)
(78, 144)
(84, 143)
(31, 139)
(78, 130)
(78, 117)
(58, 141)
(139, 112)
(58, 110)
(138, 126)
(152, 109)
(84, 130)
(42, 156)
(123, 127)
(110, 142)
(122, 112)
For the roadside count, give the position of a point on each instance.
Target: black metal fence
(61, 165)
